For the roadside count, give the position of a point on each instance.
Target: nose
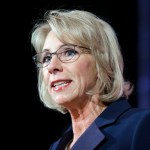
(55, 65)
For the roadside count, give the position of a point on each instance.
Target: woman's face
(68, 82)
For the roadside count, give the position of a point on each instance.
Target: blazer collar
(112, 112)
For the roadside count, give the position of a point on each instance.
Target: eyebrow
(48, 50)
(44, 50)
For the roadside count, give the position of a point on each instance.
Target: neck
(82, 117)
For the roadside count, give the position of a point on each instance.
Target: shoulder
(138, 113)
(135, 120)
(123, 109)
(143, 116)
(141, 134)
(135, 115)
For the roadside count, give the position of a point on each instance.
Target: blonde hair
(88, 30)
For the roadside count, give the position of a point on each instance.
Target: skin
(82, 75)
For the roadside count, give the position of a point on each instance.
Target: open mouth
(60, 85)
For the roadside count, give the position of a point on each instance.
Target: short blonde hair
(88, 30)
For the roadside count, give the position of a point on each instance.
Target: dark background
(29, 124)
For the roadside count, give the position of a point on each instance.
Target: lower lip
(60, 88)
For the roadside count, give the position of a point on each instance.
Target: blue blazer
(118, 127)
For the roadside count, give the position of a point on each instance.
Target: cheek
(45, 76)
(88, 73)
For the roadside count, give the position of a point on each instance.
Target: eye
(69, 52)
(46, 58)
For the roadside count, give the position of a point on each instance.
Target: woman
(80, 72)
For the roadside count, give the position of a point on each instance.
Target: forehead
(52, 43)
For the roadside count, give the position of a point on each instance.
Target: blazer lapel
(89, 139)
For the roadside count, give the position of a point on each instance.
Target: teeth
(60, 83)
